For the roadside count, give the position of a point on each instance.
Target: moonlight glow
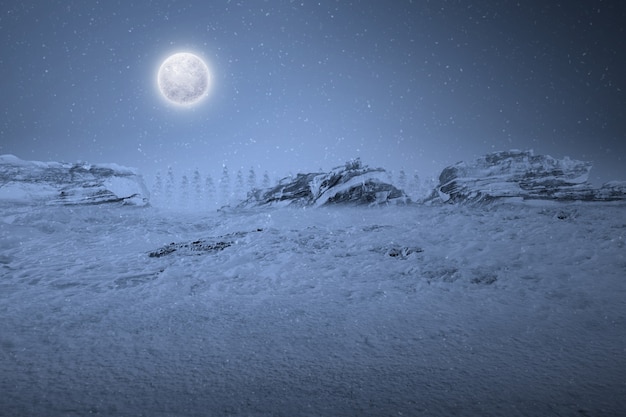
(184, 79)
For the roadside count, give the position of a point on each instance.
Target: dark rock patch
(403, 252)
(200, 246)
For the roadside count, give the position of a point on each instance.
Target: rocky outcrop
(353, 183)
(522, 174)
(66, 184)
(611, 191)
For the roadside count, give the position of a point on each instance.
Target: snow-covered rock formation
(64, 183)
(612, 190)
(353, 183)
(522, 174)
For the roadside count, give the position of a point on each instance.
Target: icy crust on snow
(503, 310)
(63, 183)
(516, 174)
(353, 183)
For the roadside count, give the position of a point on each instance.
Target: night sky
(302, 85)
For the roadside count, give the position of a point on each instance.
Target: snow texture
(523, 175)
(441, 310)
(353, 184)
(33, 182)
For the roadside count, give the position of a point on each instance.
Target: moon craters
(184, 79)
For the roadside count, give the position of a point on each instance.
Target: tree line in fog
(193, 190)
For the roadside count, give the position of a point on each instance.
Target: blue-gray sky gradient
(304, 85)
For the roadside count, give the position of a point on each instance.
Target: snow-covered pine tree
(251, 179)
(402, 180)
(209, 187)
(266, 180)
(196, 183)
(240, 192)
(184, 193)
(157, 189)
(168, 197)
(225, 186)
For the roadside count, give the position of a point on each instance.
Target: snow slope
(515, 310)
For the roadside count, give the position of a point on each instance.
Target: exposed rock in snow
(353, 183)
(612, 190)
(63, 183)
(219, 243)
(195, 247)
(402, 252)
(200, 246)
(519, 174)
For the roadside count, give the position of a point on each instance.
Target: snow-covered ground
(510, 310)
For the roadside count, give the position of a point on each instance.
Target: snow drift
(522, 174)
(353, 183)
(66, 184)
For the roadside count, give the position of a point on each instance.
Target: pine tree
(157, 191)
(414, 187)
(197, 188)
(184, 192)
(209, 187)
(251, 179)
(169, 187)
(225, 186)
(402, 184)
(239, 187)
(266, 180)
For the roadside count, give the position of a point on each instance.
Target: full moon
(184, 79)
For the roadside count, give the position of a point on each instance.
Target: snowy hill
(441, 310)
(34, 182)
(523, 175)
(354, 183)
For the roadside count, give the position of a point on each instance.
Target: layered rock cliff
(353, 183)
(63, 183)
(522, 174)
